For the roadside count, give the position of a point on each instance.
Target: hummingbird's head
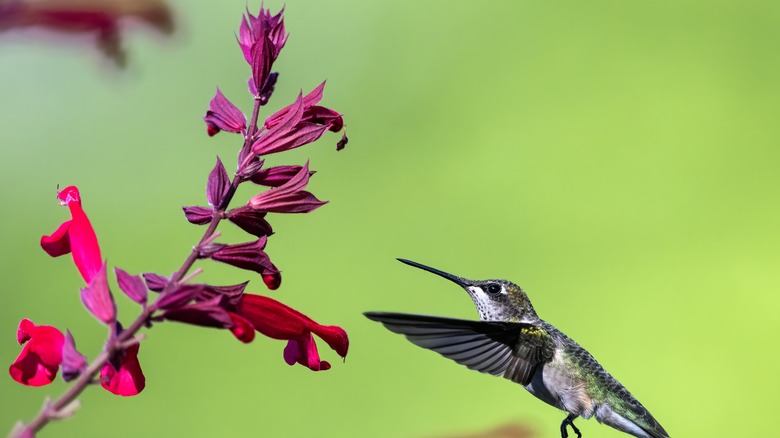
(496, 300)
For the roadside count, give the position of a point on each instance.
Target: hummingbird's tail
(639, 424)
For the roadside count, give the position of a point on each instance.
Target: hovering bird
(510, 340)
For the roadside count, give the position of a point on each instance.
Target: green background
(619, 160)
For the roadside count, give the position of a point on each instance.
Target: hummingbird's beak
(460, 281)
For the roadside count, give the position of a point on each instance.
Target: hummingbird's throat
(488, 307)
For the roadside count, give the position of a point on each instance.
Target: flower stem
(116, 344)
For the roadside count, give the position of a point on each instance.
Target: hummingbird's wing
(509, 349)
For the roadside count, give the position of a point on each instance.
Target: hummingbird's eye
(494, 288)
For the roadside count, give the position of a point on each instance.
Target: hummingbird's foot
(569, 421)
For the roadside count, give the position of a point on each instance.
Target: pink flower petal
(129, 379)
(59, 242)
(334, 336)
(304, 352)
(41, 356)
(242, 329)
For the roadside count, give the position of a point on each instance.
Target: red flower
(75, 236)
(41, 356)
(279, 321)
(128, 379)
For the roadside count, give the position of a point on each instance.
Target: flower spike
(116, 367)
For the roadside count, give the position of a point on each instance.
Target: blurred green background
(619, 160)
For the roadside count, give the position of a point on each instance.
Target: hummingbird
(510, 340)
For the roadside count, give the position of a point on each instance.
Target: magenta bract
(73, 362)
(198, 215)
(289, 132)
(223, 116)
(208, 313)
(132, 285)
(289, 197)
(276, 176)
(97, 298)
(249, 255)
(217, 185)
(251, 221)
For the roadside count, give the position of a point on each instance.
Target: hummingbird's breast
(558, 384)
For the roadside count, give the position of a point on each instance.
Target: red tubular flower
(41, 355)
(128, 379)
(75, 236)
(279, 321)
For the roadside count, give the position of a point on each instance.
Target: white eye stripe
(488, 307)
(483, 293)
